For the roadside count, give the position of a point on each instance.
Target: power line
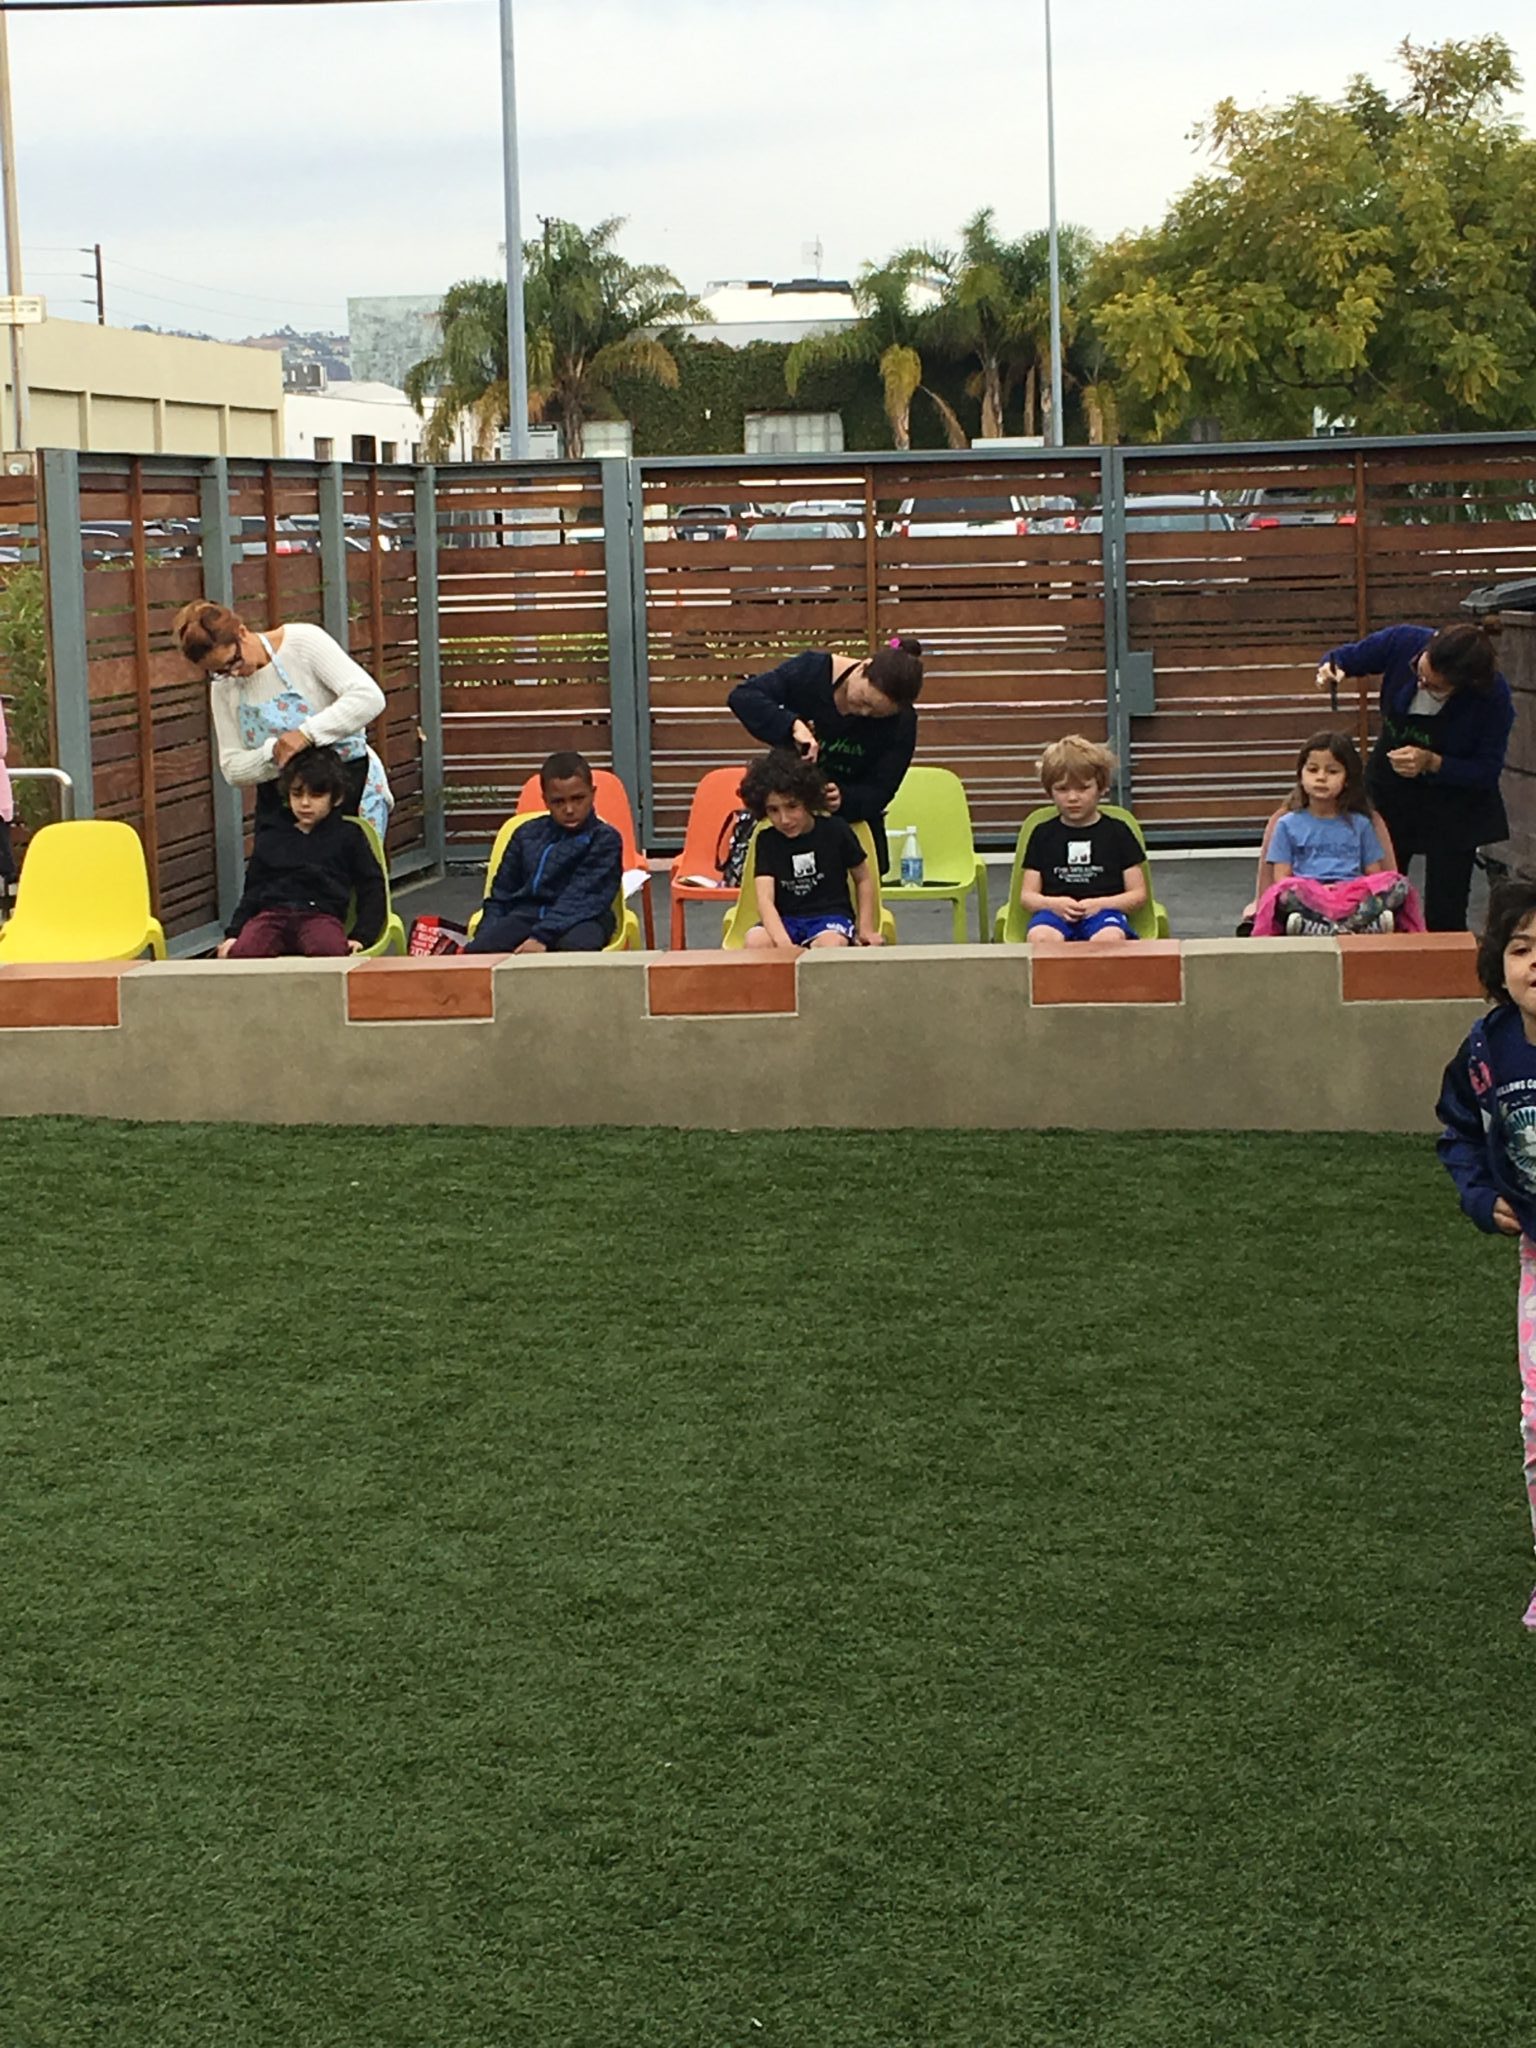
(221, 290)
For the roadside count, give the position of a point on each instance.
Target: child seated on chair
(307, 864)
(1331, 872)
(555, 887)
(804, 861)
(1084, 874)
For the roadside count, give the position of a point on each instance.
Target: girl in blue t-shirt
(1331, 872)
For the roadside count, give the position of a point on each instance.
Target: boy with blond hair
(1083, 873)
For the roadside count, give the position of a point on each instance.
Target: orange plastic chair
(613, 809)
(713, 802)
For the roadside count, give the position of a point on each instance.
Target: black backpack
(731, 847)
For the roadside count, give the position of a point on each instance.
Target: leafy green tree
(889, 333)
(1371, 257)
(589, 315)
(995, 305)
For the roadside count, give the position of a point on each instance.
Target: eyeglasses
(231, 667)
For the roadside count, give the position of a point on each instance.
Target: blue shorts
(803, 929)
(1095, 921)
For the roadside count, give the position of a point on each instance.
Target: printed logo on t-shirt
(1517, 1108)
(1079, 852)
(805, 865)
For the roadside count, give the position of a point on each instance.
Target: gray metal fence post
(429, 659)
(218, 559)
(620, 516)
(333, 553)
(641, 644)
(1117, 630)
(68, 663)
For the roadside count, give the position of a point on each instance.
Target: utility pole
(101, 289)
(13, 282)
(517, 345)
(1050, 147)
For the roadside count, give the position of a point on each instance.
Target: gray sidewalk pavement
(1204, 894)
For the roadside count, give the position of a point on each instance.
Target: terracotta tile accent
(1146, 971)
(729, 985)
(419, 991)
(1407, 967)
(59, 994)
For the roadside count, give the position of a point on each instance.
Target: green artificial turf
(468, 1588)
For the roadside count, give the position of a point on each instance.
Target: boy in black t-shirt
(1083, 873)
(805, 861)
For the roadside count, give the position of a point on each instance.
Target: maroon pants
(272, 934)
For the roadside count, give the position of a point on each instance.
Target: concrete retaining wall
(1294, 1034)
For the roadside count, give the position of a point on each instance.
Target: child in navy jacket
(1487, 1113)
(1434, 771)
(555, 888)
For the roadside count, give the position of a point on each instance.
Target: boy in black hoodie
(1487, 1112)
(307, 863)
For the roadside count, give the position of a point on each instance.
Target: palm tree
(888, 333)
(592, 317)
(468, 375)
(589, 317)
(995, 304)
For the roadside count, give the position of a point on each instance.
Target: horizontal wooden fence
(509, 609)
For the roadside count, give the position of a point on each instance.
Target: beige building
(125, 393)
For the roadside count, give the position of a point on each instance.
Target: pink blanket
(1334, 901)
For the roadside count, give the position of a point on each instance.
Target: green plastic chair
(1150, 922)
(392, 938)
(934, 801)
(742, 915)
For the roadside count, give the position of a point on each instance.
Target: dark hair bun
(909, 645)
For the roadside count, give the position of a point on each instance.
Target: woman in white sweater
(274, 694)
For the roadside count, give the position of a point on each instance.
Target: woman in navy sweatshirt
(853, 718)
(1433, 774)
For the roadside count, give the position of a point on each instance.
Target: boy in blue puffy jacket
(1487, 1113)
(555, 887)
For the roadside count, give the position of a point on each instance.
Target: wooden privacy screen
(384, 633)
(522, 604)
(151, 736)
(1012, 624)
(1237, 620)
(141, 545)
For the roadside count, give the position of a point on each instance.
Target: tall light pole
(12, 242)
(517, 346)
(1050, 148)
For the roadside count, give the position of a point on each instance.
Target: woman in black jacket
(854, 718)
(1446, 715)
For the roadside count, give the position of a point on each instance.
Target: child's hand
(1505, 1219)
(354, 945)
(870, 938)
(1329, 675)
(223, 950)
(530, 946)
(1070, 908)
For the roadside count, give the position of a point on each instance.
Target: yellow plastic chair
(742, 915)
(626, 926)
(1150, 922)
(934, 801)
(84, 895)
(392, 938)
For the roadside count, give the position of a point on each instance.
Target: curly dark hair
(1509, 905)
(782, 773)
(317, 769)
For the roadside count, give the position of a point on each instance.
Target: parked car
(706, 522)
(1173, 513)
(802, 529)
(841, 511)
(1291, 505)
(930, 518)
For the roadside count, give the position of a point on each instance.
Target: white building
(755, 309)
(351, 422)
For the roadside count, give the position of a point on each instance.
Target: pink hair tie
(894, 641)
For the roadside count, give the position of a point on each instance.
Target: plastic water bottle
(911, 860)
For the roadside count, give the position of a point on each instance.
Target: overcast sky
(246, 166)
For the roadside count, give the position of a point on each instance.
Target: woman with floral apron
(274, 694)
